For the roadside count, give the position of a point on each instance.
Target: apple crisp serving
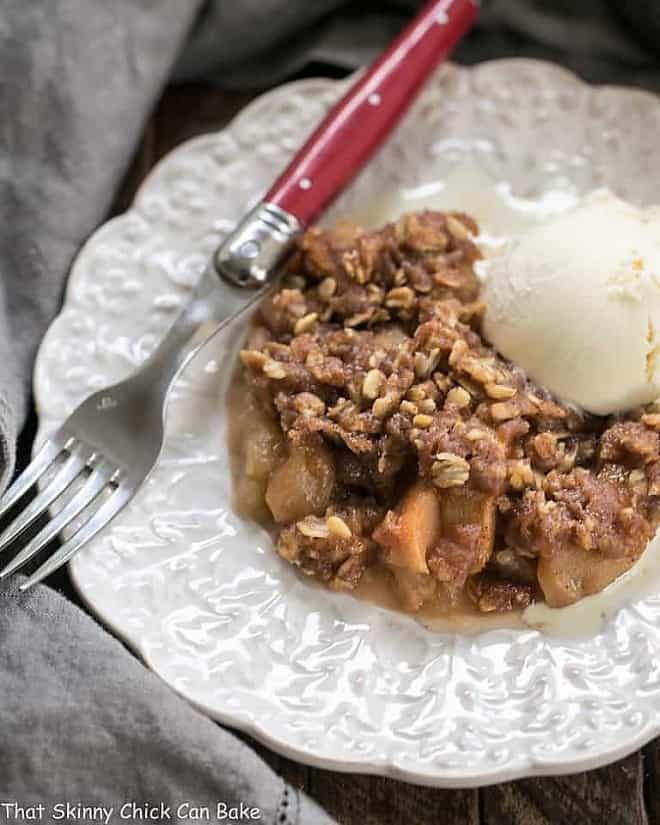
(378, 429)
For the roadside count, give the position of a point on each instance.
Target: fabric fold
(84, 721)
(76, 86)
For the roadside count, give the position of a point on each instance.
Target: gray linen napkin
(81, 720)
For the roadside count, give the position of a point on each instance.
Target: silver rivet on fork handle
(257, 246)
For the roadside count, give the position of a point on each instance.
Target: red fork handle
(356, 126)
(345, 140)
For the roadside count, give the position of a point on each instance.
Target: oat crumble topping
(387, 432)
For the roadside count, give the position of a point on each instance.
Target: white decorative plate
(203, 598)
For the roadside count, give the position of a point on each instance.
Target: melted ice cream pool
(501, 216)
(499, 212)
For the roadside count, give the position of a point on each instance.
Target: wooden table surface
(626, 793)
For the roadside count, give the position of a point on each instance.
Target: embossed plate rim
(383, 763)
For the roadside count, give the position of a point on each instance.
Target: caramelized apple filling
(378, 429)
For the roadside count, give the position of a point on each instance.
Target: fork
(105, 450)
(111, 442)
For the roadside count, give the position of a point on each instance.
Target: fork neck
(213, 304)
(235, 278)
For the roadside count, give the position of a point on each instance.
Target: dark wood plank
(373, 800)
(609, 795)
(192, 109)
(652, 785)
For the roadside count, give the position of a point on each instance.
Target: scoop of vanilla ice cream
(575, 302)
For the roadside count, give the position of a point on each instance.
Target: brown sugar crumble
(382, 430)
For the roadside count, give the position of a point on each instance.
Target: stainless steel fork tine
(30, 475)
(71, 468)
(107, 511)
(98, 479)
